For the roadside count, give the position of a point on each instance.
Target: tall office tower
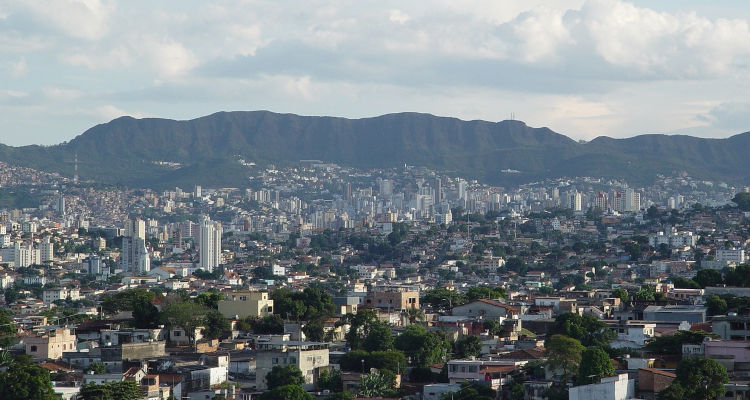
(576, 201)
(632, 200)
(601, 201)
(135, 259)
(210, 245)
(385, 187)
(60, 205)
(462, 190)
(198, 191)
(46, 250)
(438, 190)
(617, 201)
(348, 191)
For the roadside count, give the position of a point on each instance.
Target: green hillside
(132, 151)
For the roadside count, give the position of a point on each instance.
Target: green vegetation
(280, 376)
(697, 378)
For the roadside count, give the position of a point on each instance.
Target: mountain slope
(127, 150)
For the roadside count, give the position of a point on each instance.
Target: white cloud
(398, 17)
(110, 112)
(18, 68)
(82, 19)
(586, 67)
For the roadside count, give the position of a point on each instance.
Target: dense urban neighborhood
(318, 281)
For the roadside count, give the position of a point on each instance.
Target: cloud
(81, 19)
(590, 67)
(19, 68)
(732, 116)
(110, 112)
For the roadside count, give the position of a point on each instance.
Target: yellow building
(244, 304)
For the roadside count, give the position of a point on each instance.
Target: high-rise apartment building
(135, 259)
(210, 245)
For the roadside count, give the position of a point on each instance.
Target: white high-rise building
(576, 201)
(46, 250)
(135, 259)
(632, 200)
(210, 245)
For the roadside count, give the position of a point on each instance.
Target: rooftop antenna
(512, 116)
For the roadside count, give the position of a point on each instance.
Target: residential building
(309, 357)
(245, 304)
(50, 344)
(610, 388)
(210, 245)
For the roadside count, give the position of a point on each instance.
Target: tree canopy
(423, 346)
(563, 353)
(23, 380)
(280, 376)
(698, 378)
(588, 330)
(595, 364)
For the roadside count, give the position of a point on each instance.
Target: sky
(584, 68)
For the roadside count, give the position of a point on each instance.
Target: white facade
(135, 258)
(736, 256)
(46, 250)
(611, 388)
(210, 245)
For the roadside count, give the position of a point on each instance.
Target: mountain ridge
(127, 150)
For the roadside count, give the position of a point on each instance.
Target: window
(33, 348)
(176, 333)
(275, 361)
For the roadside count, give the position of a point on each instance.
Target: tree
(145, 314)
(588, 330)
(595, 364)
(125, 300)
(187, 315)
(24, 380)
(742, 199)
(7, 330)
(471, 391)
(280, 376)
(423, 346)
(467, 346)
(216, 326)
(674, 391)
(376, 384)
(308, 304)
(483, 292)
(313, 330)
(340, 396)
(682, 283)
(708, 277)
(698, 378)
(330, 380)
(209, 299)
(97, 368)
(268, 325)
(287, 392)
(622, 294)
(672, 344)
(379, 337)
(716, 305)
(443, 299)
(123, 390)
(563, 353)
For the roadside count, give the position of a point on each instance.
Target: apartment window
(292, 360)
(270, 309)
(33, 348)
(176, 333)
(275, 361)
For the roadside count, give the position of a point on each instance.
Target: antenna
(512, 116)
(75, 169)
